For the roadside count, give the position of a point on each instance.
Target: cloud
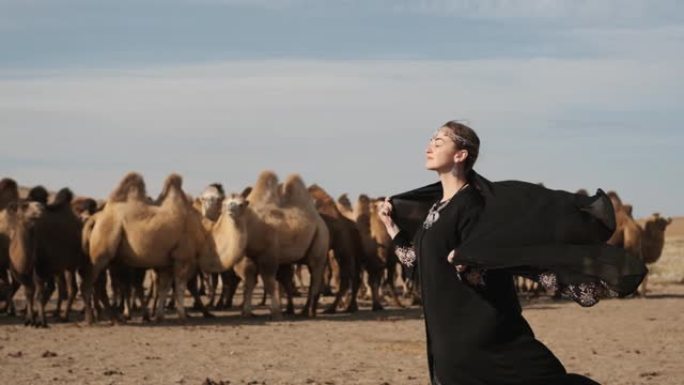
(352, 126)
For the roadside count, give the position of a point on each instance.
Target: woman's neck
(452, 182)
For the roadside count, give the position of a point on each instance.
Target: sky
(573, 94)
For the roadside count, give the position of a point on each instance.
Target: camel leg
(285, 276)
(374, 280)
(61, 290)
(93, 279)
(268, 275)
(212, 285)
(164, 280)
(230, 281)
(30, 292)
(42, 295)
(198, 304)
(316, 267)
(70, 281)
(643, 285)
(250, 278)
(392, 262)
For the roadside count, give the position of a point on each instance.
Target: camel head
(131, 186)
(235, 205)
(25, 212)
(84, 208)
(38, 194)
(657, 223)
(211, 200)
(9, 192)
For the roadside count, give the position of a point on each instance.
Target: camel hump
(62, 199)
(172, 182)
(9, 192)
(131, 184)
(38, 194)
(266, 188)
(295, 191)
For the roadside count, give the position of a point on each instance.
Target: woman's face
(441, 153)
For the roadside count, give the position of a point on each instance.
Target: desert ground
(619, 341)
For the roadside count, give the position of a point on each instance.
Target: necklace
(433, 213)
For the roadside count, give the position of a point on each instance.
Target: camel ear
(246, 191)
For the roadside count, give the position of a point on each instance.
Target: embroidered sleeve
(584, 293)
(404, 250)
(406, 255)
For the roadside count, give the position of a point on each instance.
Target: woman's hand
(385, 214)
(450, 258)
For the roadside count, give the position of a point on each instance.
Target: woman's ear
(461, 156)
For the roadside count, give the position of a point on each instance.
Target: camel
(373, 263)
(57, 235)
(21, 218)
(284, 227)
(653, 241)
(345, 243)
(210, 204)
(385, 248)
(9, 194)
(628, 233)
(147, 235)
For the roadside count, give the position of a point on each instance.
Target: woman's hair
(465, 139)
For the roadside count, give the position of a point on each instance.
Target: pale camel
(628, 233)
(653, 241)
(284, 227)
(146, 235)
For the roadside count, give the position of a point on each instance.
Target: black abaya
(475, 330)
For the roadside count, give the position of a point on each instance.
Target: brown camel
(374, 264)
(284, 227)
(9, 194)
(21, 218)
(146, 235)
(345, 243)
(58, 251)
(628, 233)
(653, 241)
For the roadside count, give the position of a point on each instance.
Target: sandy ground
(621, 342)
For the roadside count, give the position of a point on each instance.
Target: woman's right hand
(385, 214)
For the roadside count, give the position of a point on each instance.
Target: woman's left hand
(450, 259)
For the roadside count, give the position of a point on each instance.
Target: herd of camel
(270, 230)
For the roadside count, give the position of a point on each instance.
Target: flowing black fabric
(528, 229)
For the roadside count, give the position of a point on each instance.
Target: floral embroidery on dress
(406, 255)
(585, 293)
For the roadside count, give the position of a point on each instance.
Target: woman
(466, 237)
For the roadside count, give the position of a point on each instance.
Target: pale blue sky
(570, 93)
